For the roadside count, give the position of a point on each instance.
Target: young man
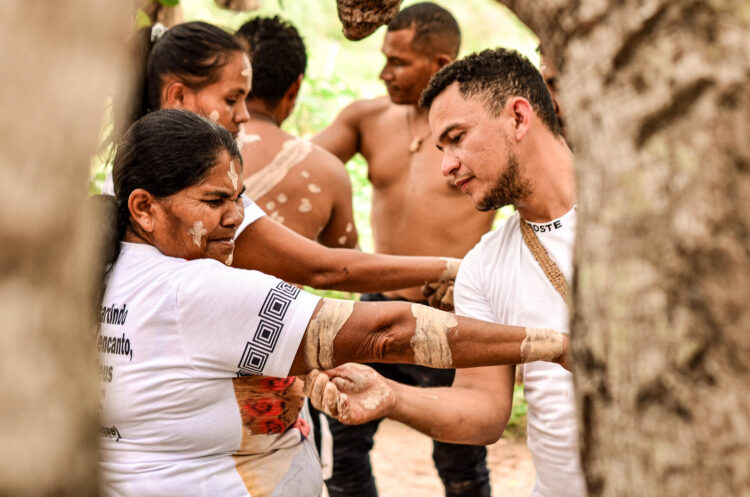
(297, 183)
(415, 211)
(495, 123)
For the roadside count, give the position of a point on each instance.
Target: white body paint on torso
(292, 153)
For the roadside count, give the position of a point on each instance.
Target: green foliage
(516, 427)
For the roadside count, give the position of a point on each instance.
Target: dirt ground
(402, 462)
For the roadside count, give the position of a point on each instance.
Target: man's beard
(509, 188)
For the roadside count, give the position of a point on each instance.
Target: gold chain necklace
(416, 142)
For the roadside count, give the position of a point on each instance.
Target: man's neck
(260, 112)
(550, 169)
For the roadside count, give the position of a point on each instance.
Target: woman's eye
(215, 203)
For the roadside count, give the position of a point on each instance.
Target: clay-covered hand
(352, 393)
(439, 295)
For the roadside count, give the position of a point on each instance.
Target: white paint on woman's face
(233, 175)
(305, 205)
(228, 262)
(197, 232)
(214, 116)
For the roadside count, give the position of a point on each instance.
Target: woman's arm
(345, 331)
(270, 247)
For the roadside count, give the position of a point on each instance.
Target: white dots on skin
(270, 205)
(342, 240)
(214, 116)
(276, 217)
(349, 227)
(228, 262)
(281, 198)
(314, 188)
(305, 205)
(305, 174)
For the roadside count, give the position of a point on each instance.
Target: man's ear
(142, 206)
(293, 91)
(442, 60)
(522, 113)
(175, 94)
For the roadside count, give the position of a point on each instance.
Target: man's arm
(475, 410)
(342, 136)
(274, 249)
(342, 331)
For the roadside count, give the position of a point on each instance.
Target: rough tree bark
(59, 60)
(657, 94)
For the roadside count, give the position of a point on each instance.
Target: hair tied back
(157, 31)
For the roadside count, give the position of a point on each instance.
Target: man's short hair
(435, 29)
(277, 54)
(496, 75)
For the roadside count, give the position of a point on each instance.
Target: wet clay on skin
(451, 268)
(541, 345)
(322, 331)
(430, 341)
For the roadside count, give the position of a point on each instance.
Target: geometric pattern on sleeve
(263, 342)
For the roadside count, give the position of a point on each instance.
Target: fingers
(322, 393)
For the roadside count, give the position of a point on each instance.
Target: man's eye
(457, 138)
(230, 101)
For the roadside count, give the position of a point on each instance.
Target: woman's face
(201, 220)
(224, 100)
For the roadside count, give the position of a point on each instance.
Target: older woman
(201, 68)
(184, 337)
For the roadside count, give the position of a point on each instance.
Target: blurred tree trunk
(657, 95)
(59, 62)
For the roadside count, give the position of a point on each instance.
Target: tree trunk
(59, 60)
(657, 95)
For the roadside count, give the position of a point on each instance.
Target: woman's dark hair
(194, 51)
(163, 153)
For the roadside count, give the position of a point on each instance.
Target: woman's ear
(174, 96)
(142, 209)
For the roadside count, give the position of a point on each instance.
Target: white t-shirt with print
(500, 281)
(180, 345)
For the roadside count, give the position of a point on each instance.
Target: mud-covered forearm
(397, 332)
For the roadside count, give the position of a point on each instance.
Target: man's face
(477, 150)
(406, 71)
(201, 220)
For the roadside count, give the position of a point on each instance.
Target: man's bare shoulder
(325, 163)
(365, 109)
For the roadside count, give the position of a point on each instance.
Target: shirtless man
(415, 211)
(297, 183)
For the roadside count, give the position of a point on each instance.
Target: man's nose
(449, 165)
